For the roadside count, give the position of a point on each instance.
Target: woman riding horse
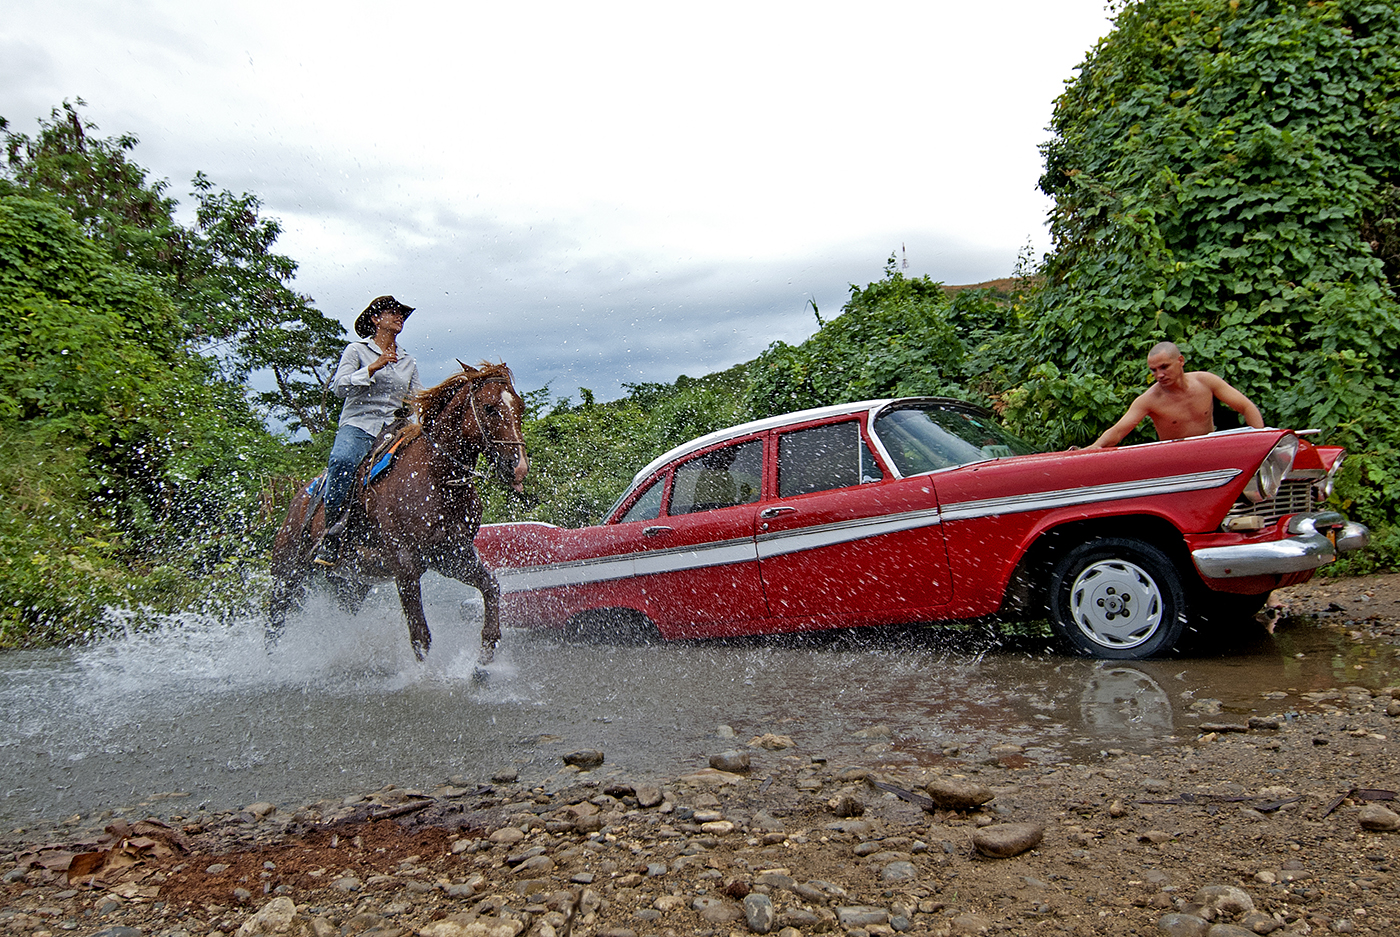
(373, 378)
(422, 511)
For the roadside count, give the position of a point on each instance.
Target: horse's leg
(475, 573)
(411, 598)
(290, 564)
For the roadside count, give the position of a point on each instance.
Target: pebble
(861, 916)
(899, 871)
(1182, 925)
(1227, 899)
(951, 794)
(735, 762)
(1378, 819)
(586, 758)
(1004, 840)
(759, 913)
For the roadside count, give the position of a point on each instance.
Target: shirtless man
(1180, 403)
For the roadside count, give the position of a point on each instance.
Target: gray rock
(847, 806)
(901, 871)
(585, 758)
(957, 795)
(799, 918)
(775, 880)
(763, 820)
(1227, 899)
(758, 913)
(735, 762)
(539, 865)
(861, 916)
(348, 883)
(807, 892)
(1004, 840)
(1260, 923)
(275, 917)
(1182, 925)
(1229, 930)
(1377, 818)
(716, 910)
(119, 930)
(648, 795)
(969, 925)
(508, 776)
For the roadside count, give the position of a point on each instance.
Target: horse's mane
(430, 403)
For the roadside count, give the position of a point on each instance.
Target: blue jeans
(347, 452)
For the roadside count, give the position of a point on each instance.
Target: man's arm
(1115, 433)
(1235, 400)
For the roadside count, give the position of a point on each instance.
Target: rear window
(720, 478)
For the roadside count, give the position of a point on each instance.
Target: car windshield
(929, 437)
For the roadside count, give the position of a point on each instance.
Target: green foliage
(231, 290)
(130, 469)
(895, 337)
(1225, 176)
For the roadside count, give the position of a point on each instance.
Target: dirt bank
(1269, 815)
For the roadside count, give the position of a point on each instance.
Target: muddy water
(197, 715)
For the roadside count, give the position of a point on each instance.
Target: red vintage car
(925, 509)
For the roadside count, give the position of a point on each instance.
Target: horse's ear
(464, 367)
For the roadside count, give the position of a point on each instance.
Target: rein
(469, 468)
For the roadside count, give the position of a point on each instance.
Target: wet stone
(732, 761)
(759, 913)
(901, 871)
(957, 795)
(648, 795)
(585, 758)
(1378, 819)
(1227, 899)
(1004, 840)
(1229, 930)
(1182, 925)
(861, 916)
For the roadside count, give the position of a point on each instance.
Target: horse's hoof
(487, 656)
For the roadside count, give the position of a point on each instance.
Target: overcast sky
(596, 193)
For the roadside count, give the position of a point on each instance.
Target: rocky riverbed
(1278, 822)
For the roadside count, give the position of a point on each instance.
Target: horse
(422, 512)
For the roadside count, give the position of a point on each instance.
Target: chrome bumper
(1309, 544)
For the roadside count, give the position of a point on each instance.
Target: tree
(1224, 175)
(130, 469)
(233, 292)
(895, 337)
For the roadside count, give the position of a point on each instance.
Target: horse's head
(481, 407)
(499, 411)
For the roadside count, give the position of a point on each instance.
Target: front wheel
(1117, 598)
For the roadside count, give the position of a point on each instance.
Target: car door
(844, 538)
(700, 561)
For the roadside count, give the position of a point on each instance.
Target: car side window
(823, 458)
(719, 479)
(648, 506)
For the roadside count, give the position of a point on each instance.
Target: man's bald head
(1164, 348)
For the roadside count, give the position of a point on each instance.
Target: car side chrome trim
(1116, 491)
(780, 542)
(627, 565)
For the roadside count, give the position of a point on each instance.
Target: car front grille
(1295, 496)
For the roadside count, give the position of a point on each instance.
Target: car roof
(756, 426)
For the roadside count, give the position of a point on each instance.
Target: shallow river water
(199, 714)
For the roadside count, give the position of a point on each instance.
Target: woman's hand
(389, 357)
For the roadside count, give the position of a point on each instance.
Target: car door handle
(774, 512)
(654, 531)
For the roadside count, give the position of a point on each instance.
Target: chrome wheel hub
(1116, 604)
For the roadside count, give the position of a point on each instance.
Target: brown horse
(421, 513)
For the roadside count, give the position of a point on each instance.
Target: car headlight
(1323, 489)
(1266, 481)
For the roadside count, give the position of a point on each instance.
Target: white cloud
(597, 193)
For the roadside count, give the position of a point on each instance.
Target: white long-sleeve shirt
(370, 401)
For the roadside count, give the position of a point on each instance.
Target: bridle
(469, 468)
